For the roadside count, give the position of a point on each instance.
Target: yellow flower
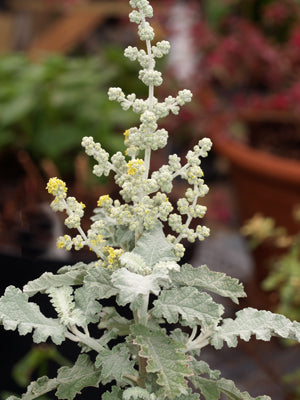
(56, 187)
(126, 133)
(103, 199)
(133, 166)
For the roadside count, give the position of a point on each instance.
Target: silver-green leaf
(165, 357)
(90, 308)
(16, 312)
(212, 389)
(248, 322)
(72, 277)
(72, 380)
(38, 388)
(131, 286)
(188, 303)
(115, 364)
(153, 246)
(98, 283)
(212, 281)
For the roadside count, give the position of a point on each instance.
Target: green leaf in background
(188, 304)
(164, 357)
(41, 105)
(36, 359)
(7, 137)
(17, 313)
(72, 380)
(206, 279)
(215, 11)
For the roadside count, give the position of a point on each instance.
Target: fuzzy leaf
(98, 283)
(17, 312)
(115, 394)
(72, 277)
(135, 393)
(90, 308)
(131, 286)
(194, 307)
(73, 380)
(133, 262)
(115, 363)
(212, 389)
(153, 246)
(111, 319)
(212, 281)
(38, 388)
(164, 357)
(63, 302)
(262, 324)
(190, 396)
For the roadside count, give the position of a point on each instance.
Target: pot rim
(253, 160)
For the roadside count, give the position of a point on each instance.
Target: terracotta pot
(262, 183)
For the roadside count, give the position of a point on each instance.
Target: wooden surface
(73, 27)
(6, 33)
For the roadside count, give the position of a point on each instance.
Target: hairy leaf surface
(17, 312)
(98, 283)
(72, 277)
(164, 357)
(212, 281)
(111, 319)
(153, 246)
(135, 393)
(73, 380)
(194, 307)
(115, 363)
(131, 286)
(248, 322)
(90, 308)
(62, 300)
(115, 394)
(212, 389)
(38, 388)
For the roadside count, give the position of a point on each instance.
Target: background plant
(41, 107)
(138, 268)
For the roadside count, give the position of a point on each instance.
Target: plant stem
(85, 339)
(201, 341)
(142, 372)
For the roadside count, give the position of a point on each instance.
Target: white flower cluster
(144, 194)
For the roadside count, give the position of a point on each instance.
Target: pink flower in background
(276, 13)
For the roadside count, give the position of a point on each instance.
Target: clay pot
(262, 183)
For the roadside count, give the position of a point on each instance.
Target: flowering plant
(254, 50)
(139, 266)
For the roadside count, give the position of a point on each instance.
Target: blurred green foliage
(47, 107)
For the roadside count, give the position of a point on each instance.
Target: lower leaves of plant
(138, 349)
